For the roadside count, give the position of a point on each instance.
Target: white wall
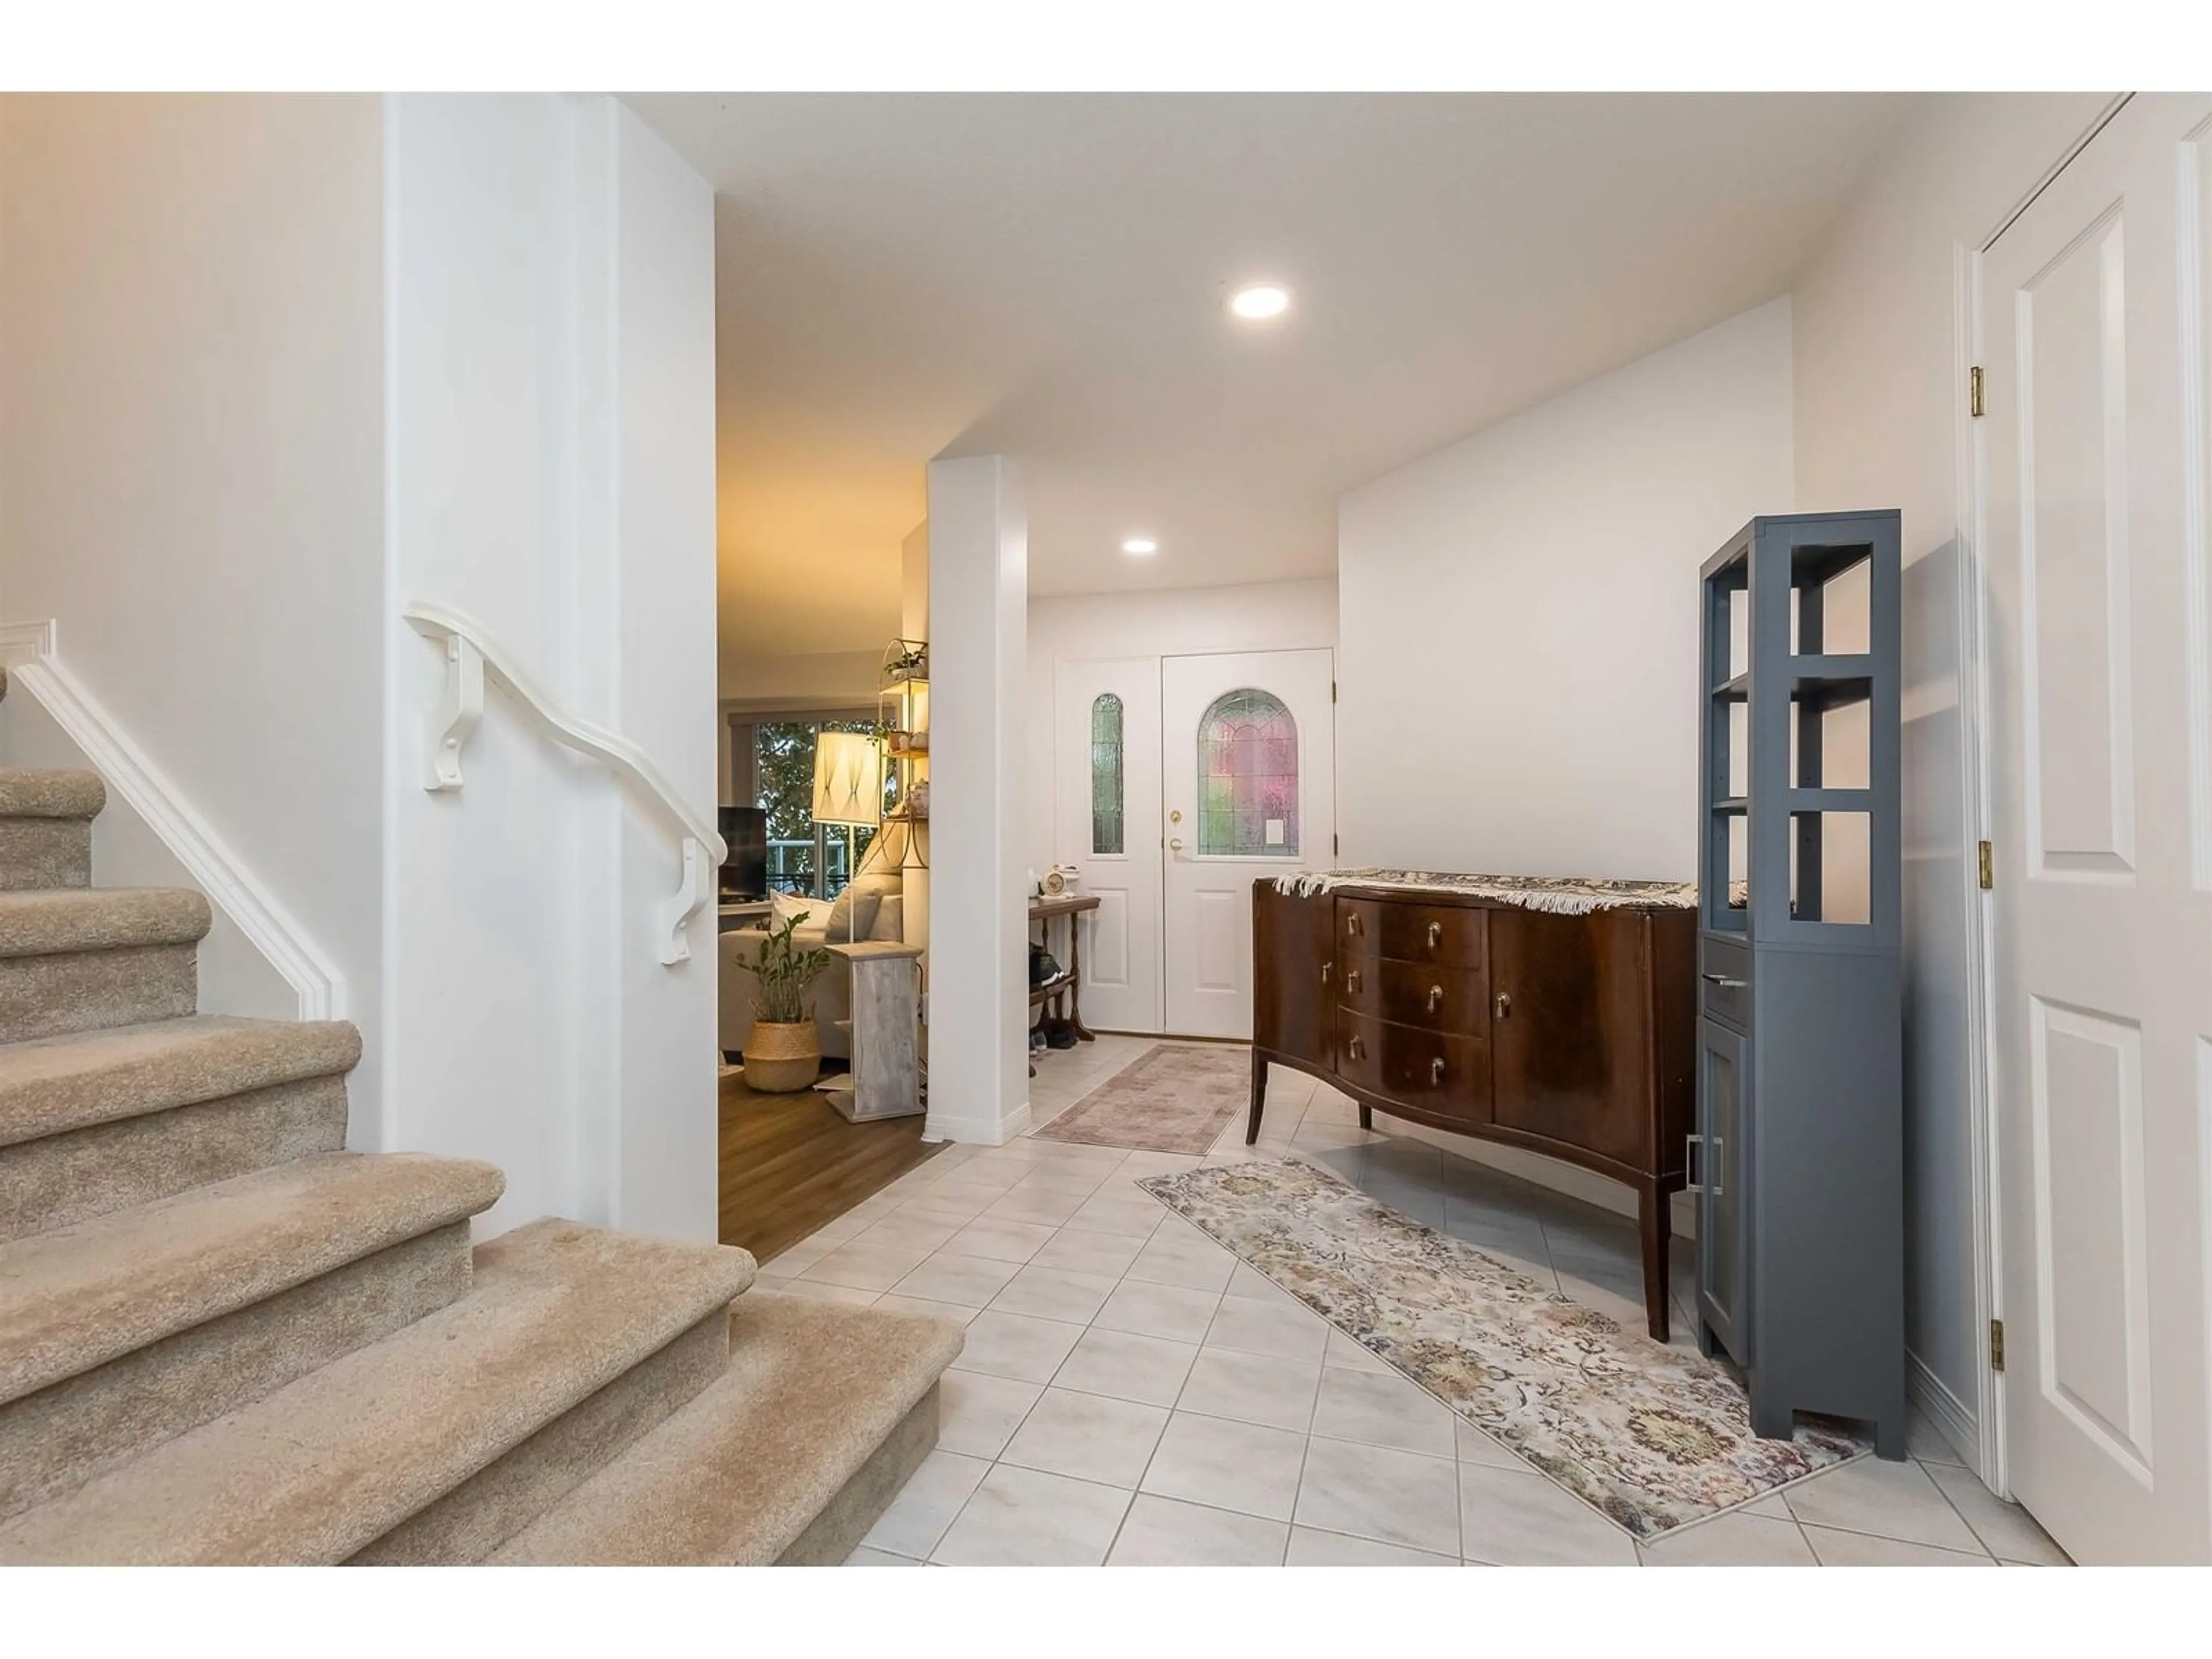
(191, 429)
(1174, 621)
(549, 324)
(1879, 392)
(1519, 617)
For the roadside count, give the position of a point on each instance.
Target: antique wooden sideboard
(1470, 1010)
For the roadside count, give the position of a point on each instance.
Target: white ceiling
(904, 277)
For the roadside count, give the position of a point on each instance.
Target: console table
(1064, 989)
(1559, 1017)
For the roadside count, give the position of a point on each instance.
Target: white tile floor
(1131, 1393)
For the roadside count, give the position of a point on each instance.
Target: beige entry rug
(1171, 1098)
(1652, 1436)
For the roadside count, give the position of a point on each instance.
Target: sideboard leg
(1259, 1096)
(1657, 1226)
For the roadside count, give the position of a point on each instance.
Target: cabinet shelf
(1823, 681)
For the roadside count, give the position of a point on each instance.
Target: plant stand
(885, 1032)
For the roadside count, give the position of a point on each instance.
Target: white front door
(1106, 755)
(2095, 480)
(1247, 761)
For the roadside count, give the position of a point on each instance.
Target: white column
(978, 981)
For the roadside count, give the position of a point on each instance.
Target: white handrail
(472, 651)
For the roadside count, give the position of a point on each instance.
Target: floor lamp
(848, 786)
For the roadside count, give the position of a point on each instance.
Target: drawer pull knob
(1436, 935)
(1356, 1048)
(1352, 979)
(1725, 983)
(1436, 998)
(1351, 924)
(1690, 1170)
(1324, 972)
(1504, 1005)
(1436, 1071)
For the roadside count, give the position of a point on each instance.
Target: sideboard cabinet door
(1293, 955)
(1569, 1018)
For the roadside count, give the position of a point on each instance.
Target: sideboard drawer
(1440, 933)
(1435, 1070)
(1432, 999)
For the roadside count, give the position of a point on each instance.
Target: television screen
(744, 871)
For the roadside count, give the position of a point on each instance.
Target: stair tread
(50, 1085)
(318, 1470)
(46, 920)
(78, 1295)
(735, 1477)
(50, 792)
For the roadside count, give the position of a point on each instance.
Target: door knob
(1504, 1005)
(1176, 816)
(1174, 844)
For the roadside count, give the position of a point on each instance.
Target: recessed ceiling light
(1142, 546)
(1258, 303)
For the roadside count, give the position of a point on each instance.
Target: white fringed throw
(1563, 895)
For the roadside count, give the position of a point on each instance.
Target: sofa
(876, 910)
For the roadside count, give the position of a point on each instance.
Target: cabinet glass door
(1718, 1165)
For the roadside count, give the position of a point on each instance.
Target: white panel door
(2094, 474)
(1106, 769)
(1247, 761)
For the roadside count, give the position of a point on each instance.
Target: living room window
(804, 856)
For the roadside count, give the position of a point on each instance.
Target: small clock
(1054, 883)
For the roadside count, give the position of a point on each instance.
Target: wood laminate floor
(789, 1164)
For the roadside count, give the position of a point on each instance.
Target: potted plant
(784, 1053)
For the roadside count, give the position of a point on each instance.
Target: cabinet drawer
(1430, 999)
(1435, 1070)
(1439, 933)
(1724, 980)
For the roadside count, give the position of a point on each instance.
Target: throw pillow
(853, 913)
(786, 906)
(891, 919)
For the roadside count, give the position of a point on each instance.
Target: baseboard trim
(978, 1131)
(30, 652)
(1950, 1415)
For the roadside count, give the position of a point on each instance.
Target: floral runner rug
(1653, 1438)
(1171, 1098)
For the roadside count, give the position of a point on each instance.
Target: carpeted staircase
(225, 1339)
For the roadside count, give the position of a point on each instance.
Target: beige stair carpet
(225, 1339)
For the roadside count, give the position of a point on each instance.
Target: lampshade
(848, 779)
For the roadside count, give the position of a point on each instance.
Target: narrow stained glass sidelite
(1106, 774)
(1248, 778)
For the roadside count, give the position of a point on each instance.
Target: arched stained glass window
(1106, 774)
(1248, 778)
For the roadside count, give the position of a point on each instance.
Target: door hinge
(1974, 391)
(1996, 1344)
(1332, 690)
(1987, 866)
(1335, 845)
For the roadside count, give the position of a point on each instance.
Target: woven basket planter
(781, 1060)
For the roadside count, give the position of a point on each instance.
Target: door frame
(1976, 698)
